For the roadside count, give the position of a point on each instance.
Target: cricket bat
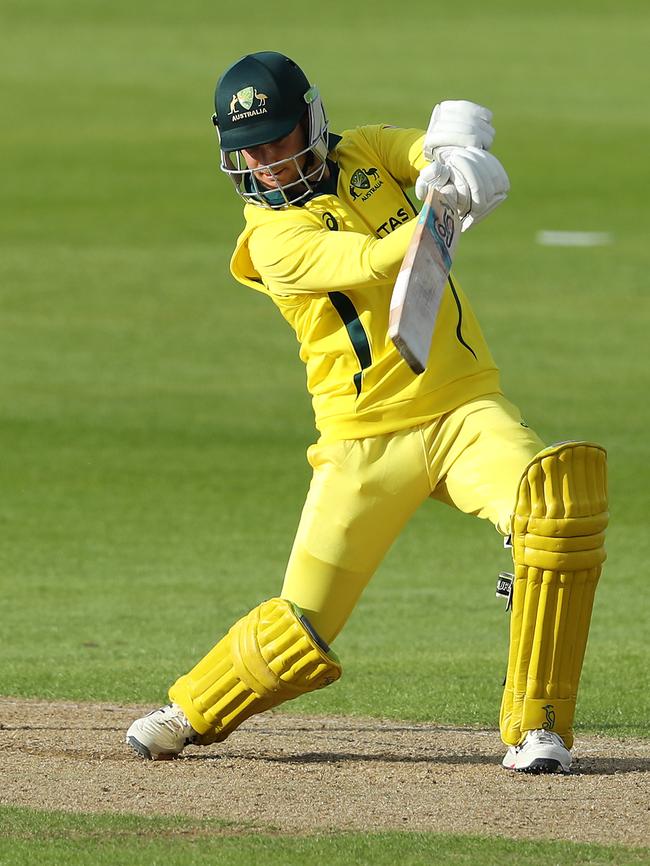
(421, 281)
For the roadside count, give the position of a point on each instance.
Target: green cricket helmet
(259, 99)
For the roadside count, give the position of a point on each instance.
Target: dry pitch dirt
(296, 774)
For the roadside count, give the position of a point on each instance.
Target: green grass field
(108, 840)
(153, 415)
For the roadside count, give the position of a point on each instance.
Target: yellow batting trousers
(363, 492)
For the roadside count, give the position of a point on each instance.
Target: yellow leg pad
(269, 656)
(558, 549)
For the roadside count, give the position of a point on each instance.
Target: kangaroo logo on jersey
(245, 99)
(365, 182)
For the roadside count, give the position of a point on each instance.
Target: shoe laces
(546, 737)
(178, 723)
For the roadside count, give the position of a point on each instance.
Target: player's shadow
(336, 757)
(377, 757)
(596, 766)
(586, 765)
(604, 766)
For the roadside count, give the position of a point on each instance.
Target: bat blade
(421, 281)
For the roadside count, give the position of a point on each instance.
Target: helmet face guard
(261, 99)
(308, 164)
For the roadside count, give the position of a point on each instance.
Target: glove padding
(472, 180)
(458, 123)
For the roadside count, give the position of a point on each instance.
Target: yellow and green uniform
(390, 440)
(330, 265)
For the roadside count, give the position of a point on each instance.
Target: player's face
(275, 152)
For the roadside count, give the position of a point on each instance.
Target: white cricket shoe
(540, 752)
(162, 734)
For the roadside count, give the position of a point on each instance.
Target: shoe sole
(542, 765)
(139, 747)
(144, 752)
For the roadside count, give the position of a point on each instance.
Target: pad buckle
(505, 585)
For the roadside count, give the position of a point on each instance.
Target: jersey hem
(389, 418)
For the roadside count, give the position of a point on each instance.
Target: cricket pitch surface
(303, 775)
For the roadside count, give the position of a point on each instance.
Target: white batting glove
(473, 181)
(458, 123)
(480, 179)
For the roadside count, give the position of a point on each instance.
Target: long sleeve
(308, 258)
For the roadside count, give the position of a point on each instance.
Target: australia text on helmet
(251, 103)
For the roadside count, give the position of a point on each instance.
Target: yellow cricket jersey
(330, 264)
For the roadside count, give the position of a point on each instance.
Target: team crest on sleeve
(250, 102)
(364, 183)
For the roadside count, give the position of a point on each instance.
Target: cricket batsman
(327, 224)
